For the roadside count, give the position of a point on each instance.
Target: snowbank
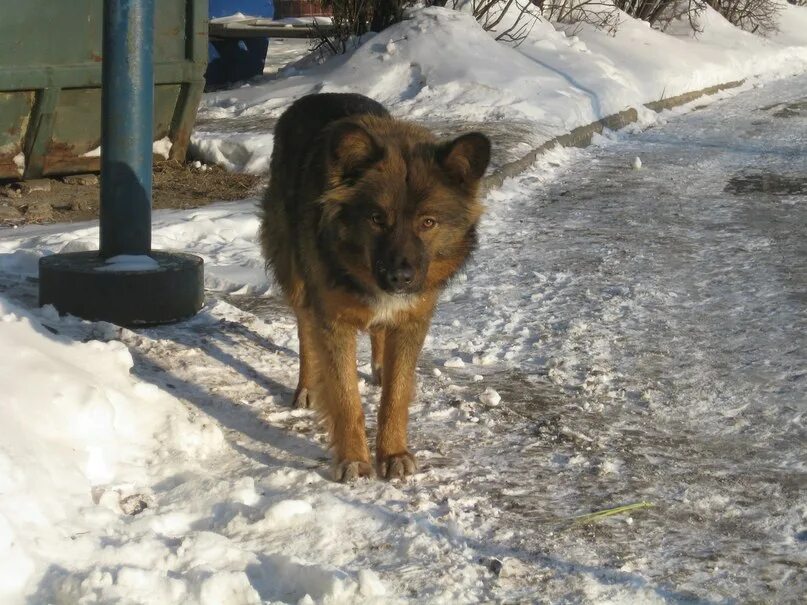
(792, 25)
(81, 441)
(237, 152)
(441, 66)
(112, 490)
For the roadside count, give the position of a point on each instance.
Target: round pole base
(81, 284)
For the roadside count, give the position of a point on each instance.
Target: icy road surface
(669, 306)
(646, 334)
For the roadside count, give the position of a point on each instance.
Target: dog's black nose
(401, 277)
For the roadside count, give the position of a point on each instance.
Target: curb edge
(582, 135)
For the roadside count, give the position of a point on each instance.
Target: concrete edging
(582, 135)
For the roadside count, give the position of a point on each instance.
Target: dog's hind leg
(339, 399)
(401, 350)
(304, 395)
(377, 336)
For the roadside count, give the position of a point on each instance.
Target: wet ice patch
(749, 183)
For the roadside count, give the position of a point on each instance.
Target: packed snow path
(644, 329)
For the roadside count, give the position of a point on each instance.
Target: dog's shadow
(158, 357)
(211, 338)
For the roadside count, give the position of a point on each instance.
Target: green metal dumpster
(50, 82)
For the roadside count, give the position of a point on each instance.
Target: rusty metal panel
(72, 134)
(15, 107)
(50, 78)
(73, 145)
(166, 98)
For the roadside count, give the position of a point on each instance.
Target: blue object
(127, 117)
(231, 61)
(252, 8)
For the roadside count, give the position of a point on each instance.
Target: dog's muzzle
(399, 279)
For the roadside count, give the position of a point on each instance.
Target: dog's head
(400, 207)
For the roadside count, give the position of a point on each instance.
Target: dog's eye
(377, 218)
(428, 223)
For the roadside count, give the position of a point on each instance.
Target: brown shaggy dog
(365, 220)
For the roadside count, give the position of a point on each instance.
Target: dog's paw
(397, 466)
(348, 471)
(303, 398)
(377, 374)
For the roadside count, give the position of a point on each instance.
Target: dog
(365, 220)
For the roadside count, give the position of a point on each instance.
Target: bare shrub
(756, 16)
(599, 13)
(512, 20)
(660, 13)
(386, 12)
(350, 21)
(354, 18)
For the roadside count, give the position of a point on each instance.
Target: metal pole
(127, 115)
(168, 286)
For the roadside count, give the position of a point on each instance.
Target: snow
(80, 435)
(620, 336)
(440, 66)
(490, 397)
(129, 262)
(161, 147)
(791, 25)
(623, 334)
(320, 19)
(19, 162)
(224, 233)
(231, 18)
(239, 152)
(235, 17)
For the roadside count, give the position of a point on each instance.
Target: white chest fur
(386, 307)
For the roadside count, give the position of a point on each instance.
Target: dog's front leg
(401, 350)
(340, 401)
(304, 395)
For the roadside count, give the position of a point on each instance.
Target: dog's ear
(353, 150)
(466, 158)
